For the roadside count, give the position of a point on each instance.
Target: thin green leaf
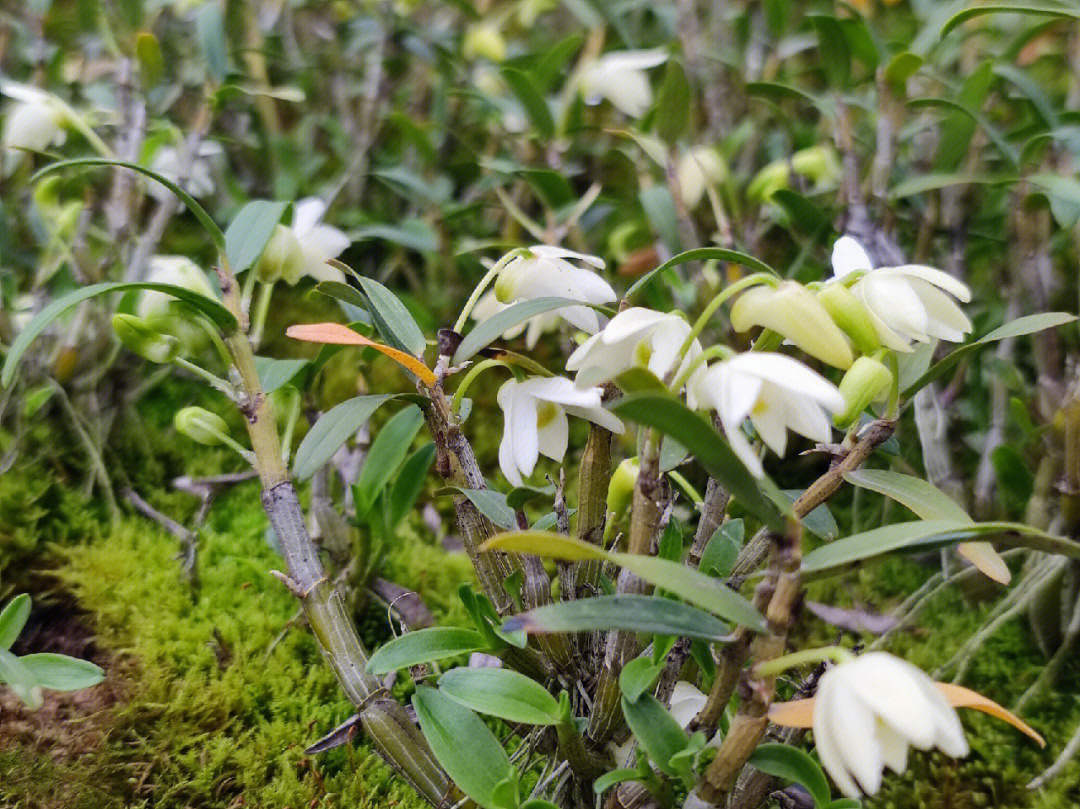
(217, 313)
(20, 680)
(633, 613)
(503, 693)
(491, 504)
(464, 746)
(925, 499)
(792, 764)
(610, 779)
(638, 676)
(62, 673)
(922, 183)
(1029, 324)
(673, 106)
(532, 100)
(1006, 8)
(210, 31)
(656, 731)
(490, 330)
(13, 619)
(250, 230)
(387, 452)
(189, 201)
(410, 483)
(275, 373)
(425, 646)
(693, 586)
(332, 430)
(391, 317)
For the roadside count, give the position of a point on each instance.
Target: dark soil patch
(73, 724)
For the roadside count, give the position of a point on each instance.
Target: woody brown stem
(751, 721)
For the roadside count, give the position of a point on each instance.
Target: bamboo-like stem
(749, 725)
(456, 463)
(394, 735)
(650, 498)
(594, 477)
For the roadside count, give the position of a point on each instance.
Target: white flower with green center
(636, 337)
(319, 242)
(488, 306)
(866, 713)
(906, 303)
(179, 271)
(620, 77)
(534, 413)
(543, 271)
(35, 121)
(776, 393)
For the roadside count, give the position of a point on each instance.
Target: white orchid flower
(906, 303)
(196, 172)
(777, 393)
(35, 121)
(535, 422)
(619, 77)
(868, 710)
(488, 306)
(543, 271)
(635, 337)
(699, 168)
(319, 242)
(178, 271)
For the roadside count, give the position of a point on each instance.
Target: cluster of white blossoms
(850, 322)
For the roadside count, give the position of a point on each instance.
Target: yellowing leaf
(545, 543)
(337, 334)
(986, 559)
(960, 697)
(799, 713)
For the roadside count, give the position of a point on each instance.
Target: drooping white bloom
(535, 424)
(619, 77)
(319, 242)
(488, 306)
(634, 337)
(698, 169)
(543, 271)
(196, 172)
(35, 121)
(776, 392)
(866, 713)
(909, 302)
(178, 271)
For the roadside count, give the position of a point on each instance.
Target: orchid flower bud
(621, 488)
(865, 382)
(150, 344)
(202, 426)
(795, 312)
(484, 40)
(698, 169)
(851, 316)
(282, 258)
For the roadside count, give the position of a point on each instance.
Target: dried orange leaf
(799, 713)
(960, 697)
(337, 334)
(986, 559)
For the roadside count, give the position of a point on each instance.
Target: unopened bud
(699, 168)
(282, 258)
(794, 312)
(865, 382)
(150, 344)
(486, 41)
(201, 425)
(621, 488)
(851, 316)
